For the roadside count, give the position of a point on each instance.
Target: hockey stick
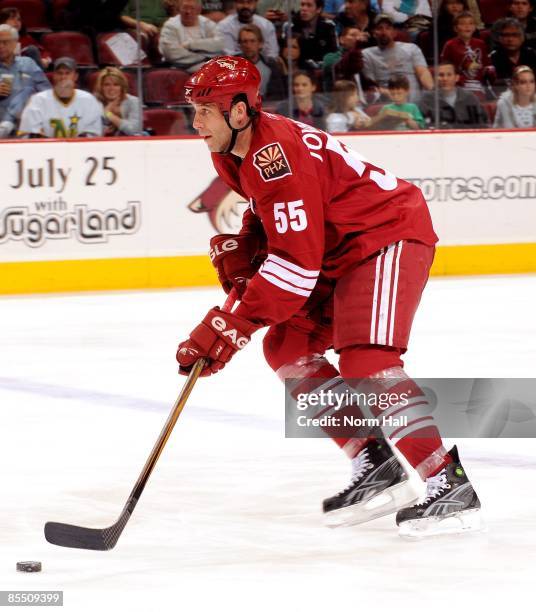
(74, 536)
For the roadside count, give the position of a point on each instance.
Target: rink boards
(136, 213)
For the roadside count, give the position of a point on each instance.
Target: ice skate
(379, 486)
(451, 505)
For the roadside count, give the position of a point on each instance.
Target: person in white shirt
(63, 111)
(516, 107)
(390, 57)
(188, 40)
(230, 27)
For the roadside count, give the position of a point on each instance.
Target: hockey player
(63, 111)
(346, 252)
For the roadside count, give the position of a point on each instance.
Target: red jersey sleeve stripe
(270, 267)
(292, 267)
(278, 282)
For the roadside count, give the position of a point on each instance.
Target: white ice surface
(231, 518)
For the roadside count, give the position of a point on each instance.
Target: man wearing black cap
(392, 58)
(63, 111)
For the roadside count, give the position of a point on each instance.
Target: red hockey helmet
(222, 80)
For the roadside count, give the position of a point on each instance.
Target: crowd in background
(71, 68)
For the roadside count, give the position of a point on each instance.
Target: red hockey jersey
(322, 207)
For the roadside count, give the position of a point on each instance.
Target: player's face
(308, 10)
(250, 45)
(465, 28)
(7, 46)
(520, 9)
(211, 126)
(447, 77)
(111, 89)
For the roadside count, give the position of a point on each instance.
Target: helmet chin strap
(236, 131)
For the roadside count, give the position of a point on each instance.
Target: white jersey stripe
(287, 275)
(292, 267)
(375, 298)
(394, 294)
(385, 295)
(283, 284)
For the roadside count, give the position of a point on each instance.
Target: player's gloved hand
(234, 257)
(217, 338)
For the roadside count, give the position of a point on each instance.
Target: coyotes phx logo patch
(271, 162)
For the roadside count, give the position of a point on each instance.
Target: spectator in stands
(94, 17)
(276, 10)
(306, 108)
(27, 45)
(403, 11)
(20, 77)
(349, 38)
(188, 40)
(347, 112)
(295, 52)
(516, 108)
(318, 35)
(523, 11)
(448, 10)
(121, 110)
(64, 111)
(332, 8)
(468, 54)
(399, 114)
(391, 57)
(152, 12)
(458, 108)
(272, 79)
(229, 28)
(358, 14)
(510, 51)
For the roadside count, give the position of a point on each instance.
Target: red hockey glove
(234, 257)
(217, 338)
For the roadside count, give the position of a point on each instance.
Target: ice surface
(231, 518)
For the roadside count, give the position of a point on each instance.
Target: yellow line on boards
(196, 270)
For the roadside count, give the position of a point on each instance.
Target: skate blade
(462, 522)
(387, 502)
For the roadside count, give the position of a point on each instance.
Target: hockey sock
(406, 419)
(307, 371)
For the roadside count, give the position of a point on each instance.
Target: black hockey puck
(28, 566)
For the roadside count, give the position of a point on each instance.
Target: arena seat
(165, 122)
(107, 56)
(33, 14)
(70, 44)
(164, 86)
(491, 10)
(491, 109)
